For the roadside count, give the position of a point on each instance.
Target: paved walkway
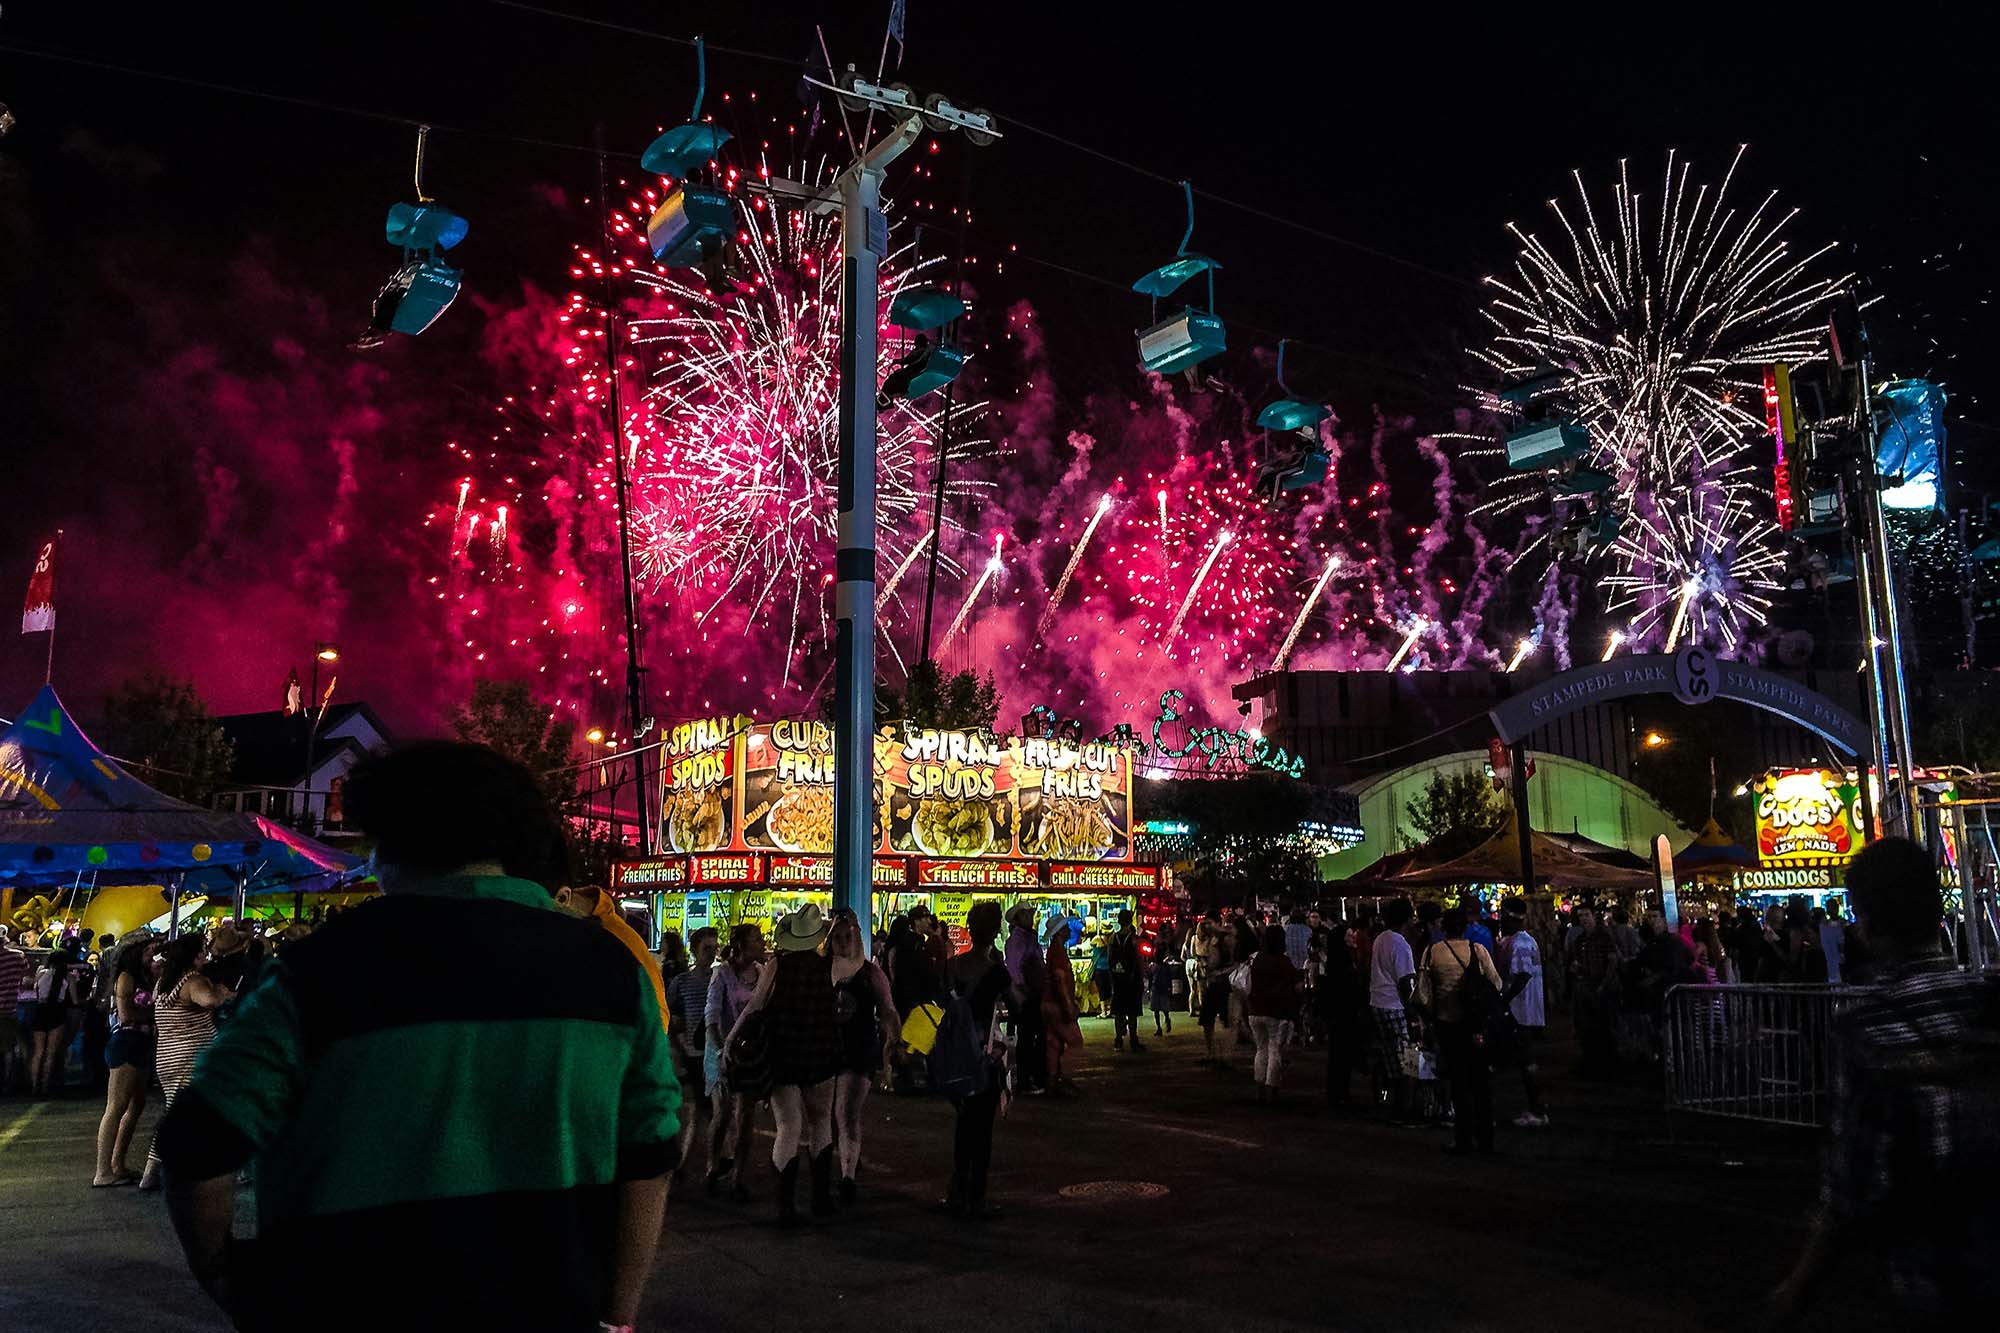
(1165, 1199)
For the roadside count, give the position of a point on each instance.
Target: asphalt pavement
(1164, 1197)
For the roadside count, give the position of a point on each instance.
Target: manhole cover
(1097, 1191)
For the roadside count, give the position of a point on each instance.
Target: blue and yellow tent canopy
(68, 809)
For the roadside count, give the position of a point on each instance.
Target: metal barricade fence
(1760, 1053)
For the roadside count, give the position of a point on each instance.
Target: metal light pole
(322, 652)
(864, 240)
(1896, 691)
(635, 670)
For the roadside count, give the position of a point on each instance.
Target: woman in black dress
(794, 1001)
(868, 1022)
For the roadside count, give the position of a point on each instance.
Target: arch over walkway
(1693, 675)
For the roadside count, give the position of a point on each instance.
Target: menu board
(732, 786)
(1104, 878)
(950, 793)
(788, 787)
(726, 868)
(817, 871)
(1075, 801)
(699, 802)
(1016, 876)
(658, 872)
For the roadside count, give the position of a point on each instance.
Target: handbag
(920, 1027)
(1239, 976)
(750, 1058)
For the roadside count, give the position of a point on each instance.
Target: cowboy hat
(1022, 915)
(801, 930)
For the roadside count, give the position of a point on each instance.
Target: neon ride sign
(1215, 748)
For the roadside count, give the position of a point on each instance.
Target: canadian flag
(292, 693)
(39, 615)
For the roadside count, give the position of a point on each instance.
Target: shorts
(1215, 1003)
(711, 1069)
(694, 1078)
(48, 1017)
(129, 1047)
(1392, 1039)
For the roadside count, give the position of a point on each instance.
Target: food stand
(960, 816)
(1809, 826)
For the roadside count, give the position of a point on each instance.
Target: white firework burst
(1663, 314)
(736, 472)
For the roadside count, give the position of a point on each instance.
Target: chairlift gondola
(1192, 336)
(425, 285)
(1546, 438)
(1305, 465)
(694, 222)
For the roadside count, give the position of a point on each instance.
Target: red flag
(39, 615)
(292, 693)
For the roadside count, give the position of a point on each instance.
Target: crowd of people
(122, 1017)
(568, 1073)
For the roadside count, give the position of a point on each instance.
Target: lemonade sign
(1807, 817)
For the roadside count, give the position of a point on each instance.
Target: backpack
(957, 1065)
(1477, 998)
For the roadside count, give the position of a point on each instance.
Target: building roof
(271, 746)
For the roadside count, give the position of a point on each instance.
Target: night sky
(181, 268)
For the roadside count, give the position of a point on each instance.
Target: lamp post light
(857, 195)
(328, 653)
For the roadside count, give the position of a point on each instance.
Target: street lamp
(1654, 740)
(322, 652)
(594, 735)
(856, 195)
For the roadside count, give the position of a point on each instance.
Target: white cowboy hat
(801, 930)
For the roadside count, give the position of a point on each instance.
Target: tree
(963, 701)
(505, 715)
(1456, 812)
(1244, 839)
(165, 732)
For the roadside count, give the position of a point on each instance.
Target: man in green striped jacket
(459, 1098)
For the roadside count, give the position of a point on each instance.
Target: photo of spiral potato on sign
(953, 826)
(695, 820)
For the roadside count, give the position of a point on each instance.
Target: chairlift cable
(308, 103)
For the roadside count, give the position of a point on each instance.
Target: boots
(788, 1194)
(822, 1184)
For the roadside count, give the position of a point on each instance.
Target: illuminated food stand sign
(1104, 879)
(1807, 817)
(1019, 876)
(736, 786)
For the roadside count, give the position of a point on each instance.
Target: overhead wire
(1012, 121)
(427, 124)
(307, 103)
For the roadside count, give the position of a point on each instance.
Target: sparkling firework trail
(1521, 651)
(1662, 316)
(1611, 644)
(1688, 591)
(1312, 598)
(889, 588)
(1222, 539)
(979, 586)
(1075, 558)
(1163, 515)
(1409, 642)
